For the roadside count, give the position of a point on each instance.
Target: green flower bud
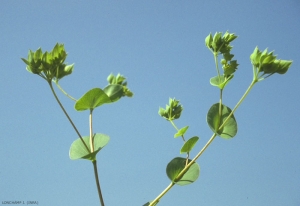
(255, 56)
(283, 66)
(217, 42)
(64, 70)
(208, 41)
(229, 37)
(34, 61)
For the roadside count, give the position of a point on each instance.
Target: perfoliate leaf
(176, 166)
(215, 121)
(79, 151)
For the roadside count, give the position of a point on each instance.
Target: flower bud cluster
(172, 111)
(267, 63)
(221, 44)
(49, 65)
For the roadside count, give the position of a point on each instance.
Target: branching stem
(179, 176)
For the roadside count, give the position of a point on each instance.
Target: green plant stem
(220, 106)
(239, 102)
(91, 131)
(156, 200)
(98, 182)
(61, 106)
(217, 65)
(174, 125)
(64, 92)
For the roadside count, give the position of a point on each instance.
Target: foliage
(220, 118)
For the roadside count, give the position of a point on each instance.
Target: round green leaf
(189, 145)
(78, 150)
(177, 165)
(114, 91)
(92, 99)
(214, 121)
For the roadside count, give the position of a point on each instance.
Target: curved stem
(61, 106)
(98, 183)
(64, 92)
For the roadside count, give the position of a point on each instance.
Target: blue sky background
(159, 47)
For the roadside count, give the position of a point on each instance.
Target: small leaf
(181, 132)
(189, 145)
(92, 99)
(177, 165)
(214, 121)
(78, 150)
(64, 71)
